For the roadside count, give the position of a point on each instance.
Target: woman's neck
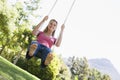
(48, 33)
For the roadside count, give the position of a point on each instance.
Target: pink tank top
(45, 40)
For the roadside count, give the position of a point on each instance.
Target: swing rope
(49, 12)
(52, 7)
(65, 20)
(69, 11)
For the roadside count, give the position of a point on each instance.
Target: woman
(45, 40)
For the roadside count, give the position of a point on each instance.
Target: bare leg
(49, 58)
(33, 47)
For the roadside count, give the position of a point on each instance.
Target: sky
(92, 29)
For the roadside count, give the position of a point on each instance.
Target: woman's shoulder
(40, 32)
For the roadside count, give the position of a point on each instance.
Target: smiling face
(52, 25)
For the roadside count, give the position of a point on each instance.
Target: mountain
(104, 66)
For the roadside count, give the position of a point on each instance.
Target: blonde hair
(46, 29)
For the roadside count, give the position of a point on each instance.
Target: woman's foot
(48, 59)
(32, 49)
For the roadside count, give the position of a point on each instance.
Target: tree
(8, 14)
(15, 31)
(80, 70)
(106, 77)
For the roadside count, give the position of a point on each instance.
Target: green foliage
(106, 77)
(8, 15)
(32, 65)
(33, 2)
(15, 31)
(57, 70)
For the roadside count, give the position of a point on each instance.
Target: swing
(27, 54)
(66, 16)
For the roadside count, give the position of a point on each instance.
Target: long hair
(46, 29)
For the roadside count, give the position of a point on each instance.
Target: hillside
(9, 71)
(105, 66)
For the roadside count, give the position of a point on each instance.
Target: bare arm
(58, 42)
(36, 29)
